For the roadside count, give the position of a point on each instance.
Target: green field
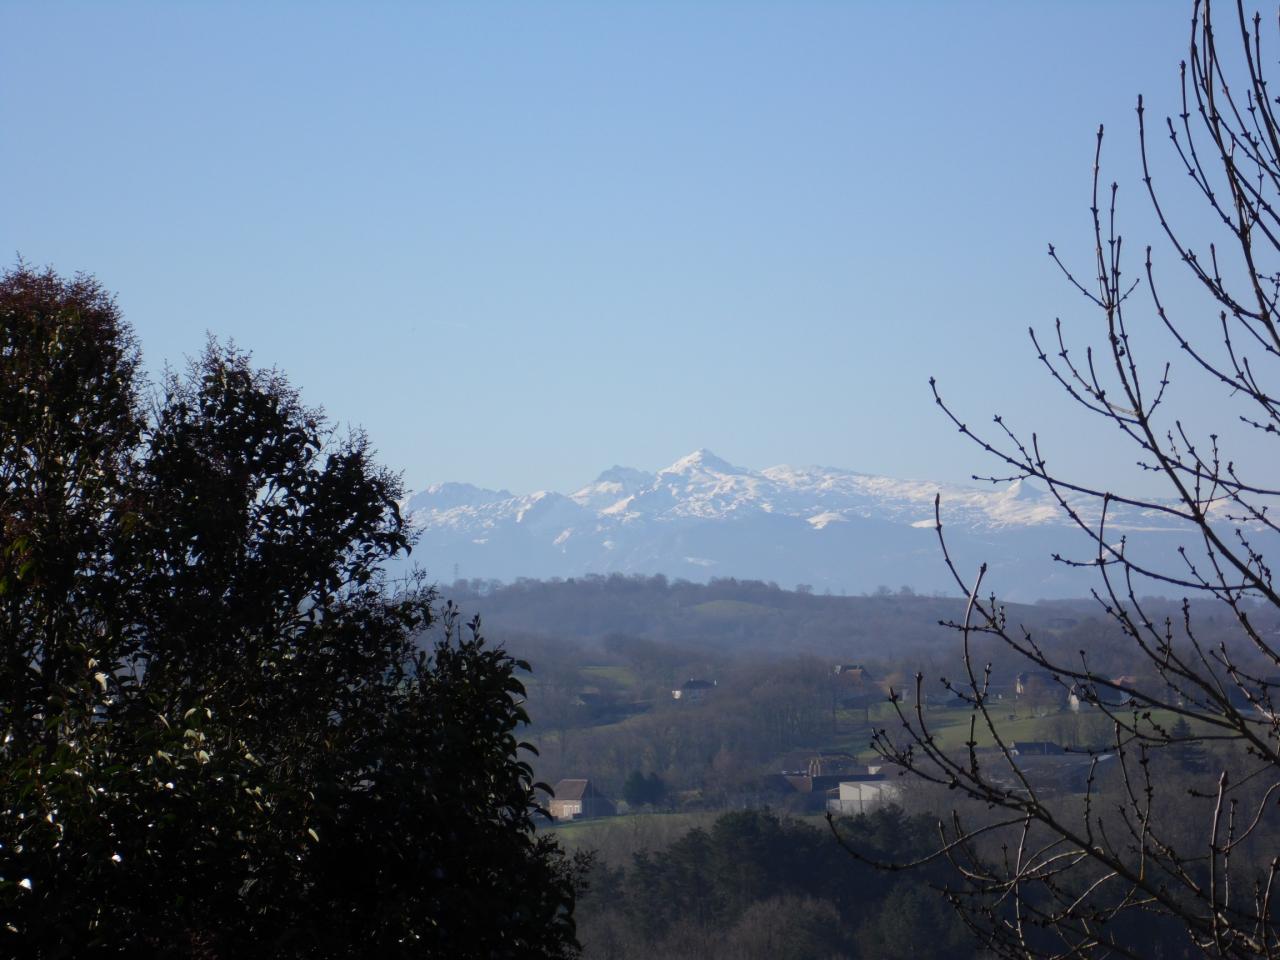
(617, 674)
(952, 727)
(618, 837)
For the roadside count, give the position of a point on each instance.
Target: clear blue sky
(522, 242)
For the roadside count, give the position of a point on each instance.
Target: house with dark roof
(693, 689)
(574, 799)
(853, 673)
(854, 689)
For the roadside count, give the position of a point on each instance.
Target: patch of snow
(445, 496)
(701, 460)
(818, 521)
(618, 508)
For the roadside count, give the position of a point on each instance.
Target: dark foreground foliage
(756, 885)
(219, 737)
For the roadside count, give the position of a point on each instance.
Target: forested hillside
(608, 652)
(730, 615)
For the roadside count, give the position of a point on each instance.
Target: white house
(863, 796)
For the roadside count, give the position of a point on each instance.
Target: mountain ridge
(703, 516)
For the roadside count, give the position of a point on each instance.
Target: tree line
(755, 885)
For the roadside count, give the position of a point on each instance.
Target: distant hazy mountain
(837, 530)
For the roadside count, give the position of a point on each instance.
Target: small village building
(693, 689)
(825, 764)
(578, 799)
(1028, 679)
(853, 673)
(1079, 695)
(855, 690)
(1050, 767)
(863, 796)
(820, 784)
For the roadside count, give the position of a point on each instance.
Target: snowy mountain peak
(627, 476)
(447, 496)
(614, 485)
(704, 516)
(702, 460)
(1023, 489)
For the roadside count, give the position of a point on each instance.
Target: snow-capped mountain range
(703, 517)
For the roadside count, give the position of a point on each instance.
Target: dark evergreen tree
(641, 789)
(655, 788)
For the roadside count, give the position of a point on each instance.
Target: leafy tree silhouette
(221, 734)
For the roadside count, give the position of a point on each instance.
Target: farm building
(576, 799)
